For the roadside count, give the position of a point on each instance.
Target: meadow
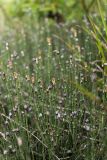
(53, 90)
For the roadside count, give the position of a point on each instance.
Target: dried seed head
(15, 75)
(53, 81)
(5, 152)
(7, 46)
(33, 79)
(10, 64)
(3, 135)
(40, 115)
(19, 141)
(49, 40)
(27, 77)
(15, 130)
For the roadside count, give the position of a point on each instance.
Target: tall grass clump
(53, 92)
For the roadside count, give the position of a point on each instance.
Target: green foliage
(70, 9)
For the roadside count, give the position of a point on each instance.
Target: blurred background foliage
(68, 9)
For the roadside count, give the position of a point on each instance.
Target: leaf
(85, 92)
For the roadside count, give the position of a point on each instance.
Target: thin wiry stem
(3, 115)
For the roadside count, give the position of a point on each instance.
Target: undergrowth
(52, 93)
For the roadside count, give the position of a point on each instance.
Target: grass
(52, 93)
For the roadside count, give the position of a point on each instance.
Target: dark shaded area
(56, 16)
